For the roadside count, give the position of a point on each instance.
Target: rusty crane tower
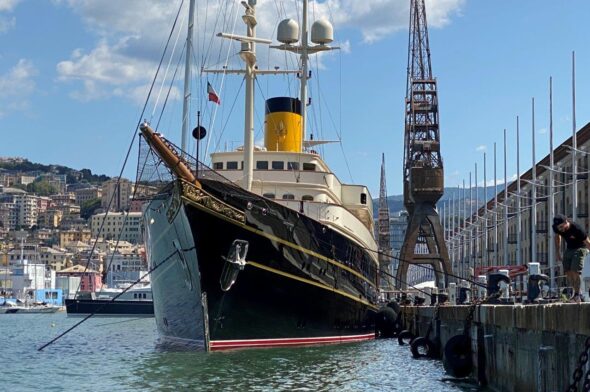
(384, 233)
(423, 165)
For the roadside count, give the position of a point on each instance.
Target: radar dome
(322, 32)
(288, 31)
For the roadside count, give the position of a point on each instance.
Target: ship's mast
(304, 71)
(248, 54)
(187, 77)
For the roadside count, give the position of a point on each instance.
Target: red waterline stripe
(232, 344)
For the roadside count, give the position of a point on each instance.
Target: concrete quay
(515, 347)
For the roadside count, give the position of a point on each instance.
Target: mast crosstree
(423, 165)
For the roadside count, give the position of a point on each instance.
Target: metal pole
(551, 190)
(453, 228)
(518, 198)
(534, 193)
(477, 244)
(471, 221)
(187, 77)
(463, 242)
(574, 143)
(505, 242)
(495, 211)
(485, 261)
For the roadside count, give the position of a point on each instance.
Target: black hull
(303, 282)
(98, 307)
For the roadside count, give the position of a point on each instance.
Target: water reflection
(368, 366)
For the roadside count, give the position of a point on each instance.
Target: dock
(514, 347)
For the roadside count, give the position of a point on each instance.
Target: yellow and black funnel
(282, 124)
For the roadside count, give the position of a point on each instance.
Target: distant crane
(423, 166)
(384, 233)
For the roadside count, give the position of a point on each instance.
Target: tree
(88, 207)
(42, 188)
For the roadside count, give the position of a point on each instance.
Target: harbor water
(120, 354)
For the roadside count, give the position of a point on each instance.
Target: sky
(75, 75)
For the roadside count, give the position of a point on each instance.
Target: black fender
(457, 356)
(422, 347)
(385, 322)
(405, 337)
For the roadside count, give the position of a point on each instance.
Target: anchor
(235, 262)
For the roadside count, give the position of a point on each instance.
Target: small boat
(20, 307)
(136, 302)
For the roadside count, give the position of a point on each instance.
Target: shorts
(574, 259)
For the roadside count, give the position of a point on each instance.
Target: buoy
(422, 347)
(405, 337)
(457, 359)
(385, 322)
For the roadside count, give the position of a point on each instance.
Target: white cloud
(481, 148)
(6, 22)
(8, 5)
(132, 34)
(16, 86)
(543, 131)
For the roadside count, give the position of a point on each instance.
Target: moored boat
(283, 255)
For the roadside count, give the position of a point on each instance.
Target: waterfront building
(53, 296)
(399, 225)
(29, 277)
(68, 284)
(125, 267)
(43, 203)
(487, 251)
(68, 198)
(57, 259)
(90, 280)
(116, 226)
(68, 236)
(122, 193)
(86, 194)
(51, 218)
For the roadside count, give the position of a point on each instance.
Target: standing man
(578, 244)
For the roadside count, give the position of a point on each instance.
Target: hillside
(396, 202)
(73, 175)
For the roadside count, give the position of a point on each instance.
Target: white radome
(288, 31)
(322, 32)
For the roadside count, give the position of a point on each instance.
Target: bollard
(535, 281)
(481, 290)
(464, 296)
(453, 294)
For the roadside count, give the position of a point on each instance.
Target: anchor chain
(579, 372)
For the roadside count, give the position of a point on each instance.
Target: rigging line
(169, 89)
(406, 283)
(213, 117)
(228, 117)
(136, 187)
(169, 62)
(120, 322)
(112, 299)
(117, 186)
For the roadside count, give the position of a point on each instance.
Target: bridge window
(262, 165)
(289, 196)
(218, 166)
(232, 165)
(292, 165)
(278, 165)
(363, 198)
(269, 195)
(307, 198)
(308, 166)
